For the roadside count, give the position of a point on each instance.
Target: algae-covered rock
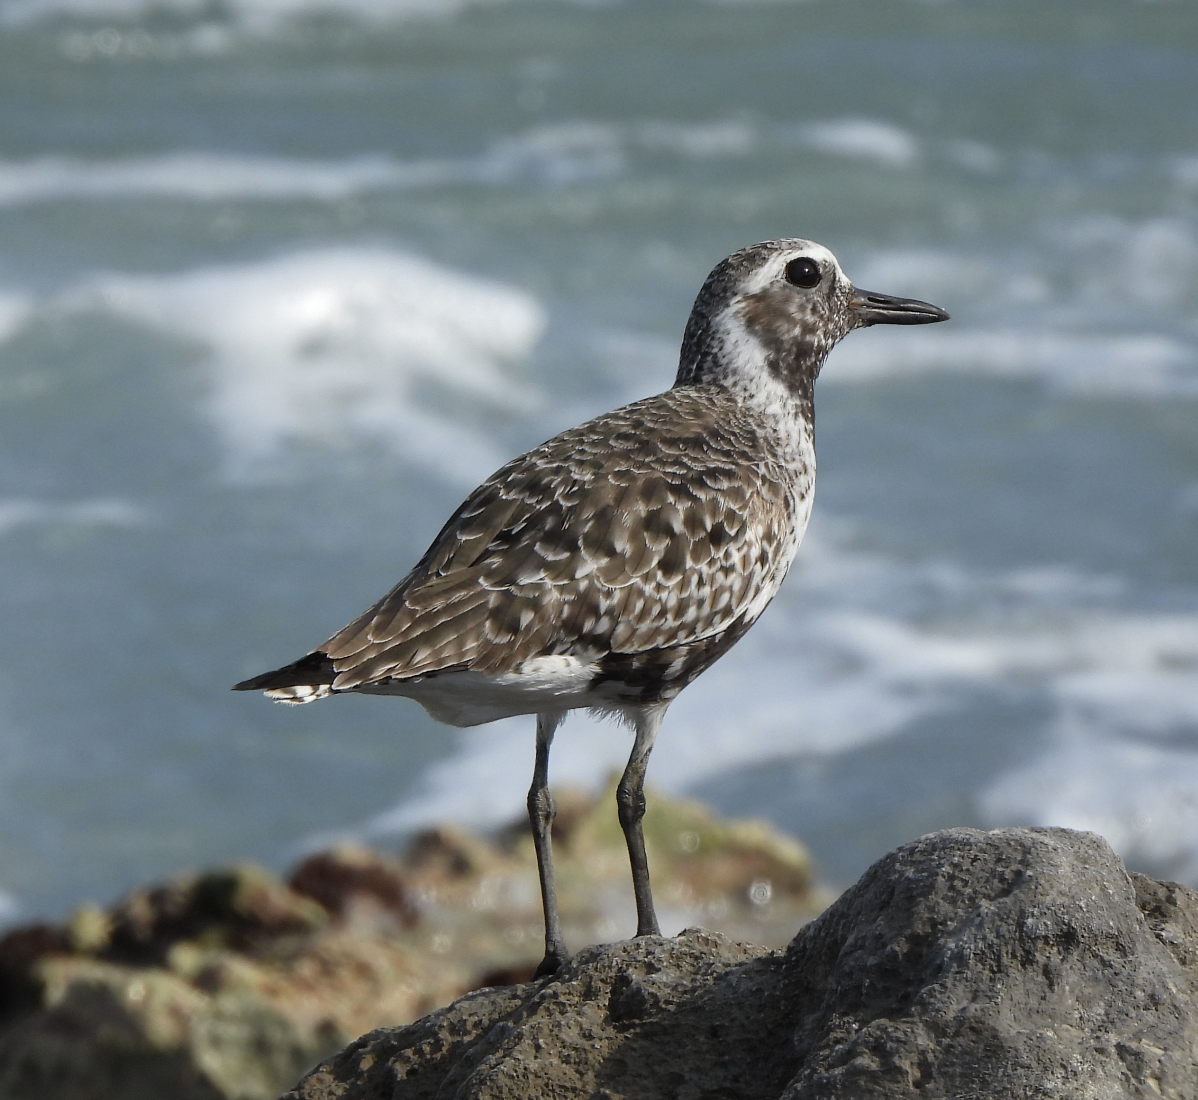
(230, 983)
(235, 907)
(109, 1031)
(226, 984)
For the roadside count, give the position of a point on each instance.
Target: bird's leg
(541, 811)
(630, 800)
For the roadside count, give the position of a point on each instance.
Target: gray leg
(630, 799)
(541, 811)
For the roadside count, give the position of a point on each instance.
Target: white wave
(1136, 676)
(569, 152)
(867, 139)
(26, 11)
(1069, 270)
(331, 347)
(1140, 796)
(100, 512)
(555, 155)
(14, 311)
(1159, 257)
(702, 140)
(940, 274)
(861, 139)
(209, 177)
(1145, 365)
(1079, 323)
(1140, 672)
(1185, 171)
(563, 153)
(256, 16)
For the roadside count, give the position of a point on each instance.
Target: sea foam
(1144, 365)
(208, 177)
(15, 309)
(553, 155)
(560, 154)
(1066, 320)
(1138, 795)
(865, 139)
(339, 346)
(100, 512)
(252, 15)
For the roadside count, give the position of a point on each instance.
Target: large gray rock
(1012, 964)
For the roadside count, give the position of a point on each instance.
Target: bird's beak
(884, 309)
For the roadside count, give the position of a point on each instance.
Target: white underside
(542, 684)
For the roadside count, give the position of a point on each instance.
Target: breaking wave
(253, 15)
(560, 154)
(340, 346)
(101, 512)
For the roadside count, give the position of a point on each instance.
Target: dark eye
(803, 272)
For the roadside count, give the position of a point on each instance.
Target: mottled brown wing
(643, 528)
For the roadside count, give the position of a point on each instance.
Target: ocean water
(280, 280)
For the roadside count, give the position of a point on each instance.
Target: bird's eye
(803, 272)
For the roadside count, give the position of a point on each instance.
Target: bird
(609, 567)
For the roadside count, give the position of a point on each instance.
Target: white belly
(541, 684)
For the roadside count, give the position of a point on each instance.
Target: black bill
(884, 309)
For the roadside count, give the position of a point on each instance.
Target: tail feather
(302, 681)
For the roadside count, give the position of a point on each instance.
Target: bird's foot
(555, 961)
(646, 916)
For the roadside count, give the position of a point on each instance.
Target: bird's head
(768, 316)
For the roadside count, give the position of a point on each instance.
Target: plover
(608, 567)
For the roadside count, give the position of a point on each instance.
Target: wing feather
(655, 525)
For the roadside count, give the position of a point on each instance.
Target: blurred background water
(281, 279)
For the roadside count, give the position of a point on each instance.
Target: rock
(1012, 964)
(352, 878)
(109, 1032)
(217, 985)
(229, 983)
(1018, 963)
(654, 1017)
(237, 907)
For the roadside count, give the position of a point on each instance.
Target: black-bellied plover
(608, 567)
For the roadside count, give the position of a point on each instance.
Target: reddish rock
(348, 880)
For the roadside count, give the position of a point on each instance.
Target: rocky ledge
(228, 984)
(1009, 965)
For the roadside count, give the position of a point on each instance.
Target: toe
(554, 962)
